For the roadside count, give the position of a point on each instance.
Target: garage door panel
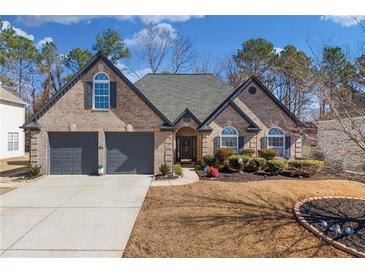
(131, 153)
(73, 152)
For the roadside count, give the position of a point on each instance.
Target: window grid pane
(15, 141)
(277, 143)
(101, 95)
(10, 141)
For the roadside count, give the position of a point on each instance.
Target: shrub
(198, 167)
(178, 170)
(317, 154)
(223, 154)
(248, 152)
(164, 169)
(210, 160)
(213, 172)
(33, 170)
(267, 153)
(275, 166)
(256, 164)
(305, 168)
(237, 162)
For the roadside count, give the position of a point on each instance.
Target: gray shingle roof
(10, 97)
(173, 93)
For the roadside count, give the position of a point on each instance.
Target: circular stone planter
(346, 212)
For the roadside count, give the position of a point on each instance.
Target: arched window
(229, 138)
(276, 140)
(101, 91)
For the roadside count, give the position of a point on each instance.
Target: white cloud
(35, 20)
(161, 29)
(343, 20)
(43, 41)
(278, 50)
(132, 75)
(155, 19)
(18, 31)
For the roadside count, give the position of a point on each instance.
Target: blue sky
(217, 36)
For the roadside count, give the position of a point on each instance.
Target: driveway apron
(71, 216)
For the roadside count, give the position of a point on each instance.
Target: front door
(186, 148)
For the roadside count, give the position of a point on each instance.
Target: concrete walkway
(189, 177)
(71, 216)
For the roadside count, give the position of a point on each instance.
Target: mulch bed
(229, 176)
(346, 212)
(326, 174)
(167, 177)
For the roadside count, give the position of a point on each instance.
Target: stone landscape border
(319, 233)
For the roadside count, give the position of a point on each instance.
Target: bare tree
(343, 119)
(359, 23)
(204, 63)
(182, 54)
(155, 43)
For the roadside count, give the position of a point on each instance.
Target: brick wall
(131, 114)
(263, 111)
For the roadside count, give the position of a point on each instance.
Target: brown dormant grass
(219, 219)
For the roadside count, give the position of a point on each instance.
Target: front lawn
(221, 219)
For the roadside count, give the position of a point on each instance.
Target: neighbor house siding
(12, 116)
(337, 146)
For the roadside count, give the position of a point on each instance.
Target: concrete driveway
(71, 216)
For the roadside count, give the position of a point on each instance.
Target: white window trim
(101, 81)
(12, 141)
(276, 136)
(223, 136)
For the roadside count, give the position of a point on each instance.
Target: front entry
(186, 148)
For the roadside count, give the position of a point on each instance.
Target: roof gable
(7, 96)
(77, 76)
(229, 100)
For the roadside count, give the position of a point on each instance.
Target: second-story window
(101, 91)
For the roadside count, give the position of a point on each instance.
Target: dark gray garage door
(73, 152)
(130, 152)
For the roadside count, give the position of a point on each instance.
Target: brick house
(100, 118)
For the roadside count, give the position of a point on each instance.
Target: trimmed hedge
(223, 154)
(275, 166)
(248, 152)
(210, 160)
(267, 153)
(305, 167)
(256, 164)
(238, 162)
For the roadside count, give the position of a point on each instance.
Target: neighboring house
(12, 117)
(101, 118)
(336, 145)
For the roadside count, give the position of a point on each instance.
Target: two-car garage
(77, 152)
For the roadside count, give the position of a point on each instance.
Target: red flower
(213, 171)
